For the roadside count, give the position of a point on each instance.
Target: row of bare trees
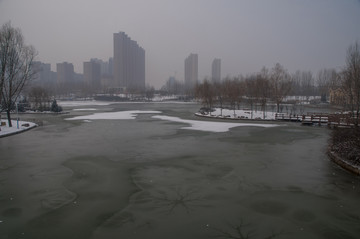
(274, 84)
(350, 79)
(16, 66)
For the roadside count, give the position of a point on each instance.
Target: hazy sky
(246, 35)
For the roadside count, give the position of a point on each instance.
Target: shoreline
(14, 128)
(343, 163)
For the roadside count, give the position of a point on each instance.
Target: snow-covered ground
(240, 114)
(201, 125)
(209, 125)
(23, 125)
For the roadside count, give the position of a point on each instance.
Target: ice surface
(209, 125)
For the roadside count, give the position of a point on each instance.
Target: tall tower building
(92, 74)
(216, 70)
(129, 63)
(191, 71)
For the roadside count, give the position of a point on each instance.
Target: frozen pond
(157, 171)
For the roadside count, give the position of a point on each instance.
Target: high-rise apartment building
(65, 73)
(92, 74)
(216, 70)
(129, 63)
(191, 71)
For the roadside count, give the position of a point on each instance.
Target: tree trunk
(9, 118)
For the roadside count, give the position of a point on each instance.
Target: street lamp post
(17, 113)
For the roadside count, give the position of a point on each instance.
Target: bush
(55, 107)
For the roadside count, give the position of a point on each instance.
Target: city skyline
(246, 35)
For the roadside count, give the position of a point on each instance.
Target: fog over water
(148, 177)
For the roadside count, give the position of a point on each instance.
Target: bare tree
(205, 91)
(39, 98)
(326, 80)
(251, 93)
(262, 87)
(220, 94)
(280, 84)
(351, 78)
(231, 92)
(307, 84)
(16, 66)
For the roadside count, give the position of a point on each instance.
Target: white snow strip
(210, 126)
(85, 109)
(23, 125)
(114, 115)
(243, 114)
(82, 103)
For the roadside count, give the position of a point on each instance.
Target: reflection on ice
(209, 125)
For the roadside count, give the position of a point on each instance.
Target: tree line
(257, 89)
(275, 84)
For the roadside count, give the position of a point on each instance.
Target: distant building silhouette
(191, 71)
(129, 63)
(92, 74)
(44, 76)
(65, 73)
(216, 70)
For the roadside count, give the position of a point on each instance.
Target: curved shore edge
(343, 163)
(19, 131)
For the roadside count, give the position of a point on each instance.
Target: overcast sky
(246, 35)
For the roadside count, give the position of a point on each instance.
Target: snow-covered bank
(210, 126)
(23, 126)
(238, 114)
(201, 125)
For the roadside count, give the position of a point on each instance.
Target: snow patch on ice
(121, 115)
(210, 126)
(85, 109)
(82, 103)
